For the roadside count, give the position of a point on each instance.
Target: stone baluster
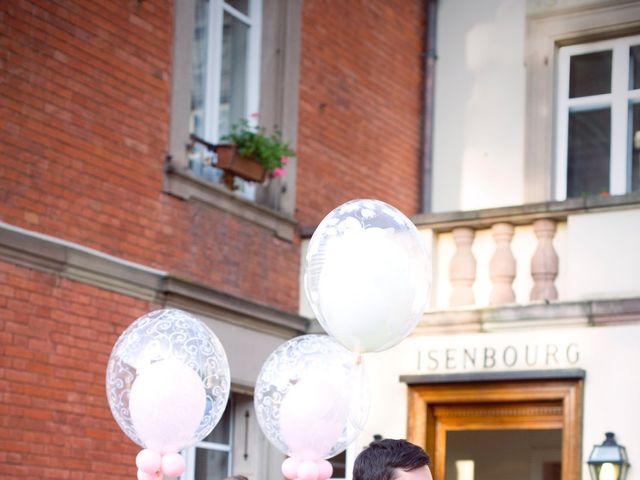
(462, 269)
(544, 263)
(502, 268)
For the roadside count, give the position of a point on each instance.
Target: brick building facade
(100, 222)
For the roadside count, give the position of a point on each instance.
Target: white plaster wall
(388, 410)
(611, 397)
(603, 255)
(542, 7)
(478, 156)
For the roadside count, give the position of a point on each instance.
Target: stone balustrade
(480, 256)
(502, 265)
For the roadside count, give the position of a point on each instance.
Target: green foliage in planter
(269, 150)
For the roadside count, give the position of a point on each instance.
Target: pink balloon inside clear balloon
(308, 470)
(148, 461)
(173, 464)
(321, 405)
(146, 476)
(290, 468)
(325, 470)
(167, 403)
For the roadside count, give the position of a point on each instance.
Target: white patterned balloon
(311, 397)
(367, 275)
(167, 380)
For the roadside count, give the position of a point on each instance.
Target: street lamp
(608, 461)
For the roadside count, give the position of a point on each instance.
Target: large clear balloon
(367, 275)
(311, 397)
(167, 381)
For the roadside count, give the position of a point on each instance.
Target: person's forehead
(422, 473)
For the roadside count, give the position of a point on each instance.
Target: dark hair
(381, 459)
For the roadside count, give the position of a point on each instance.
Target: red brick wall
(360, 104)
(84, 110)
(84, 114)
(55, 339)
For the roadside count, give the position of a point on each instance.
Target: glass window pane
(233, 82)
(240, 5)
(199, 70)
(211, 464)
(588, 156)
(634, 67)
(590, 74)
(635, 147)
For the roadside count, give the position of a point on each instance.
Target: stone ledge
(525, 214)
(181, 293)
(75, 262)
(531, 316)
(472, 377)
(187, 186)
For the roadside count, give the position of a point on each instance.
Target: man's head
(392, 460)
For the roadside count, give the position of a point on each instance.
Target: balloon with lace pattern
(167, 385)
(311, 401)
(367, 275)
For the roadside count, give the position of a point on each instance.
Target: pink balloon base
(295, 469)
(153, 466)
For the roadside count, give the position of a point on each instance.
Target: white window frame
(550, 26)
(618, 101)
(190, 454)
(217, 8)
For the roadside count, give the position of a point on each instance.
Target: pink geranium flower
(284, 160)
(277, 172)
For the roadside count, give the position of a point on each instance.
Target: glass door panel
(503, 454)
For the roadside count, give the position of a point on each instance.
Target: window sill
(184, 184)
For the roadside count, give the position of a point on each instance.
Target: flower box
(248, 168)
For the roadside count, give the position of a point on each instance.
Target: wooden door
(435, 409)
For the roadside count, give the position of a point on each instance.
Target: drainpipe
(430, 57)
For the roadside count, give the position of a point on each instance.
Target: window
(232, 448)
(233, 58)
(225, 76)
(221, 454)
(551, 26)
(598, 118)
(211, 459)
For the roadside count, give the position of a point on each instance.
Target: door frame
(528, 391)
